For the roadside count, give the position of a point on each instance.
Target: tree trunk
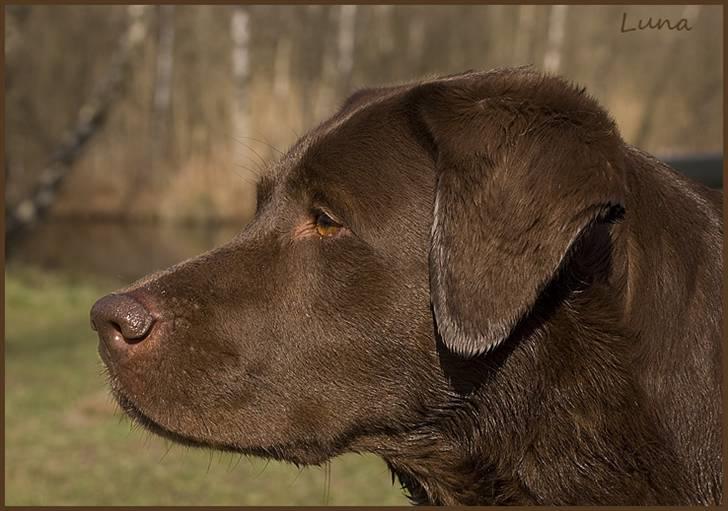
(90, 119)
(240, 33)
(328, 84)
(163, 80)
(555, 39)
(661, 81)
(524, 30)
(282, 68)
(416, 38)
(347, 37)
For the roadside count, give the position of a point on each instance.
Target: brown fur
(521, 309)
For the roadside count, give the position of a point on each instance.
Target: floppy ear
(524, 164)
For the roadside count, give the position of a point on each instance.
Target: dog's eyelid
(318, 210)
(340, 222)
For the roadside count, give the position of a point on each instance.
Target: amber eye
(325, 225)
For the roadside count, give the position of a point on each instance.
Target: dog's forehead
(369, 133)
(357, 118)
(357, 144)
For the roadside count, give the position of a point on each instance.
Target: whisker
(298, 474)
(263, 469)
(240, 458)
(252, 170)
(266, 143)
(327, 483)
(246, 179)
(169, 448)
(256, 153)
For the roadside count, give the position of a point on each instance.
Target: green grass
(66, 443)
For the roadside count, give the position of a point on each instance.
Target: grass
(66, 443)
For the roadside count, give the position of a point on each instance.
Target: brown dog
(473, 277)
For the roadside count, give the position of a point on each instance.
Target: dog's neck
(470, 448)
(486, 444)
(449, 477)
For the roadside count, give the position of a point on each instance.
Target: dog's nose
(120, 317)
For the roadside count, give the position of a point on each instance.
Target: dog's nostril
(121, 314)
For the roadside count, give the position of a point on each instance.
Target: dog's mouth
(138, 416)
(307, 452)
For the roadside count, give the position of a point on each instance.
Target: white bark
(137, 28)
(282, 68)
(326, 94)
(165, 60)
(661, 80)
(522, 42)
(13, 38)
(691, 13)
(240, 34)
(163, 78)
(347, 25)
(90, 120)
(555, 39)
(385, 37)
(416, 36)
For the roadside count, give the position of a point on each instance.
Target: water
(123, 251)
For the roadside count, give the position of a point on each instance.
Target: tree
(240, 34)
(661, 81)
(555, 38)
(523, 34)
(163, 79)
(347, 27)
(90, 119)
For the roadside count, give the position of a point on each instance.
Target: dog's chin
(139, 417)
(298, 455)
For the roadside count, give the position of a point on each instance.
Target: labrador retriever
(473, 277)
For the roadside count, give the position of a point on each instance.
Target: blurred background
(134, 136)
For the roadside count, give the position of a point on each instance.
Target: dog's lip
(138, 415)
(105, 356)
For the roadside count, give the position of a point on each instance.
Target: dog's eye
(325, 225)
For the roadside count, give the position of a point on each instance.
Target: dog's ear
(525, 163)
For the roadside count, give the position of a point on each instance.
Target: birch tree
(240, 35)
(661, 80)
(282, 68)
(346, 39)
(523, 34)
(555, 38)
(327, 87)
(163, 78)
(415, 37)
(90, 119)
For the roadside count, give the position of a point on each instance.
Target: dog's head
(420, 221)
